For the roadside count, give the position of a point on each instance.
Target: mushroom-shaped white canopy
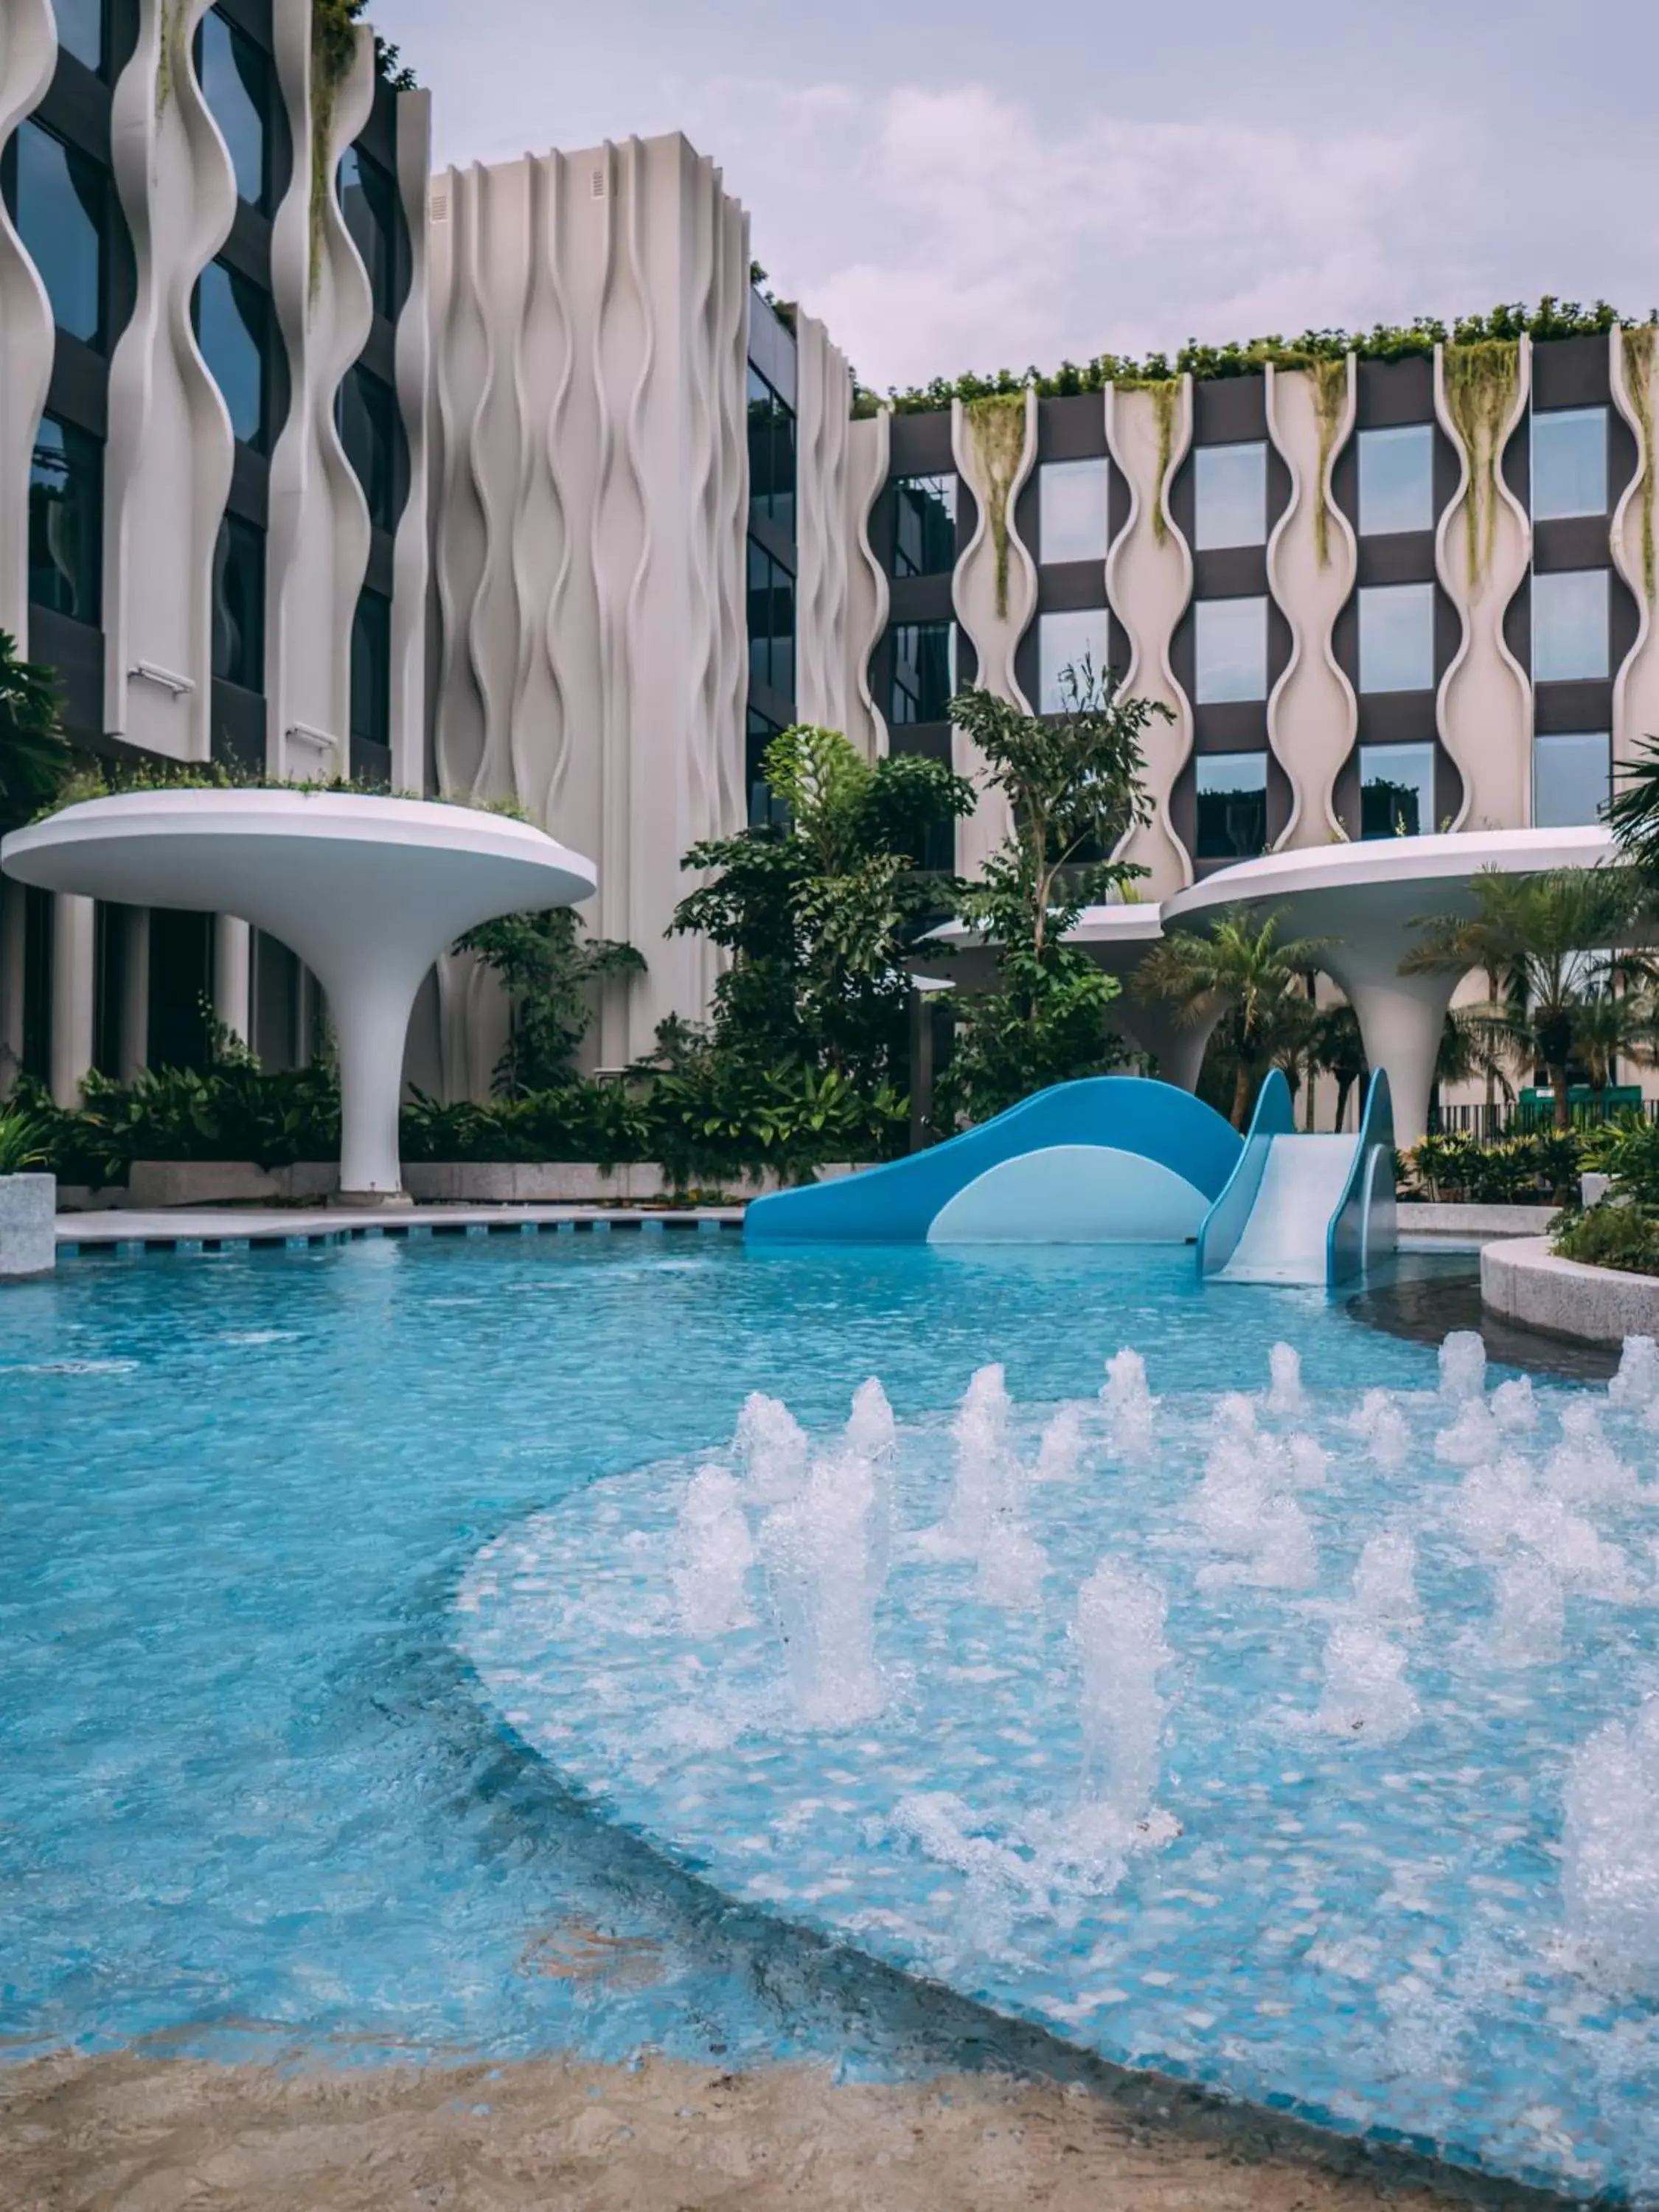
(1365, 901)
(368, 892)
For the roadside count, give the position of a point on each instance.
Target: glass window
(66, 515)
(239, 605)
(1233, 805)
(1230, 648)
(1063, 642)
(1396, 637)
(771, 624)
(1072, 522)
(1396, 480)
(1570, 463)
(771, 455)
(81, 30)
(762, 806)
(1396, 791)
(368, 201)
(1571, 779)
(371, 668)
(59, 207)
(924, 525)
(231, 324)
(1569, 625)
(235, 83)
(923, 671)
(365, 414)
(1230, 495)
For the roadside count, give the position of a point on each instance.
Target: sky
(976, 186)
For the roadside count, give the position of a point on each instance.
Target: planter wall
(1469, 1221)
(1525, 1282)
(156, 1185)
(28, 1226)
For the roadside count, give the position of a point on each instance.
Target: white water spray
(824, 1578)
(769, 1445)
(714, 1554)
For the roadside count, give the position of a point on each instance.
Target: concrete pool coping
(1524, 1281)
(223, 1229)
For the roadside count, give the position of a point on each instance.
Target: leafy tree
(817, 911)
(1552, 943)
(1336, 1048)
(1243, 971)
(34, 754)
(547, 969)
(1073, 783)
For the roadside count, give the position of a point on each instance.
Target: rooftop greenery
(116, 780)
(1550, 318)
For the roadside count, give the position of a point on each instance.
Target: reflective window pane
(66, 514)
(771, 456)
(1396, 791)
(59, 210)
(81, 30)
(1569, 625)
(230, 328)
(1230, 649)
(239, 605)
(1571, 779)
(235, 84)
(764, 808)
(370, 669)
(924, 525)
(1396, 637)
(368, 201)
(1072, 510)
(1396, 480)
(923, 671)
(1230, 495)
(1570, 463)
(1233, 805)
(365, 414)
(1066, 640)
(771, 625)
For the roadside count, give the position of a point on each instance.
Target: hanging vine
(1481, 386)
(1165, 394)
(996, 424)
(333, 50)
(1330, 397)
(172, 22)
(1638, 344)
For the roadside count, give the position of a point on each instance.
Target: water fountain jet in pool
(824, 1575)
(1463, 1366)
(770, 1446)
(716, 1552)
(1610, 1850)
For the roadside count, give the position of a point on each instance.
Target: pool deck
(231, 1229)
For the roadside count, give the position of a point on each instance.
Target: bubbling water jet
(825, 1575)
(1385, 1580)
(1285, 1392)
(1366, 1697)
(770, 1444)
(716, 1552)
(1462, 1366)
(1131, 1409)
(1637, 1382)
(1382, 1425)
(1062, 1441)
(1513, 1408)
(1118, 1635)
(1610, 1850)
(1529, 1614)
(1584, 1468)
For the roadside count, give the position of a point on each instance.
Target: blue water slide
(1113, 1159)
(1363, 1226)
(1225, 1222)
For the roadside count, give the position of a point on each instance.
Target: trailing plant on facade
(1329, 377)
(1482, 377)
(1637, 342)
(549, 969)
(996, 426)
(1165, 395)
(333, 50)
(1073, 781)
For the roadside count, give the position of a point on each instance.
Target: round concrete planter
(28, 1226)
(1526, 1283)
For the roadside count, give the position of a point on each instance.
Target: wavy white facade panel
(869, 446)
(168, 462)
(1635, 371)
(410, 563)
(994, 594)
(825, 552)
(317, 544)
(1313, 715)
(589, 500)
(29, 55)
(1483, 551)
(1149, 583)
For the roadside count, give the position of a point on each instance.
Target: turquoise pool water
(252, 1790)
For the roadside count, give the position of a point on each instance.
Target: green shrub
(25, 1142)
(1611, 1235)
(1628, 1151)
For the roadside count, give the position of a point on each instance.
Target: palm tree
(1244, 973)
(1549, 944)
(34, 755)
(1336, 1048)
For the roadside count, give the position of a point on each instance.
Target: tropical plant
(1627, 1149)
(25, 1141)
(1553, 941)
(816, 910)
(1073, 783)
(1244, 973)
(550, 971)
(720, 1116)
(1336, 1048)
(113, 780)
(34, 754)
(1611, 1235)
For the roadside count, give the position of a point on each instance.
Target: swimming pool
(252, 1796)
